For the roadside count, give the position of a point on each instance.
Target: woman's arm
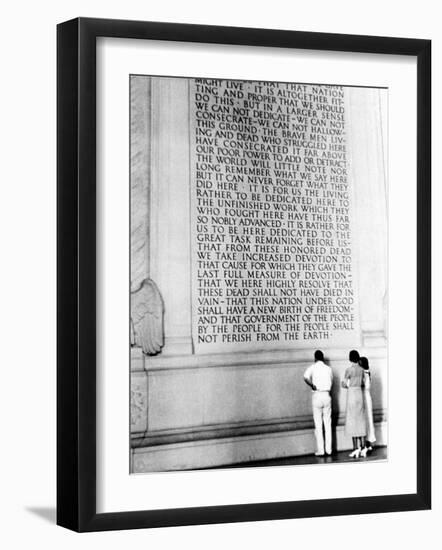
(367, 380)
(346, 382)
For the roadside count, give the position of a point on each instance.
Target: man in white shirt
(319, 377)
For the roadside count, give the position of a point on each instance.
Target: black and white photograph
(258, 274)
(220, 272)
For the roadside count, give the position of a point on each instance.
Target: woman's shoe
(355, 454)
(364, 452)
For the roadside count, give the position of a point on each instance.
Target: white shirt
(321, 375)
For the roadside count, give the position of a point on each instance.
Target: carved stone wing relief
(147, 312)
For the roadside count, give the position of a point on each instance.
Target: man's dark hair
(319, 356)
(353, 356)
(363, 361)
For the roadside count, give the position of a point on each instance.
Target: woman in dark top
(355, 424)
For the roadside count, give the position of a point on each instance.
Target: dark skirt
(355, 424)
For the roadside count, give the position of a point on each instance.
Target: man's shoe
(319, 454)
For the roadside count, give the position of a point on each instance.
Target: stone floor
(379, 453)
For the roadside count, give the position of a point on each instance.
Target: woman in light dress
(371, 437)
(355, 422)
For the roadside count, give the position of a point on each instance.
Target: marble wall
(192, 410)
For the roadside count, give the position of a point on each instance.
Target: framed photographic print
(243, 274)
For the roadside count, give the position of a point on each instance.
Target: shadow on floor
(379, 453)
(46, 513)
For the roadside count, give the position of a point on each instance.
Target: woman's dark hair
(319, 356)
(363, 361)
(353, 356)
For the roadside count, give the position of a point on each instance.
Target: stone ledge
(234, 450)
(296, 357)
(201, 433)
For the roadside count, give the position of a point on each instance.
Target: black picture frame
(76, 274)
